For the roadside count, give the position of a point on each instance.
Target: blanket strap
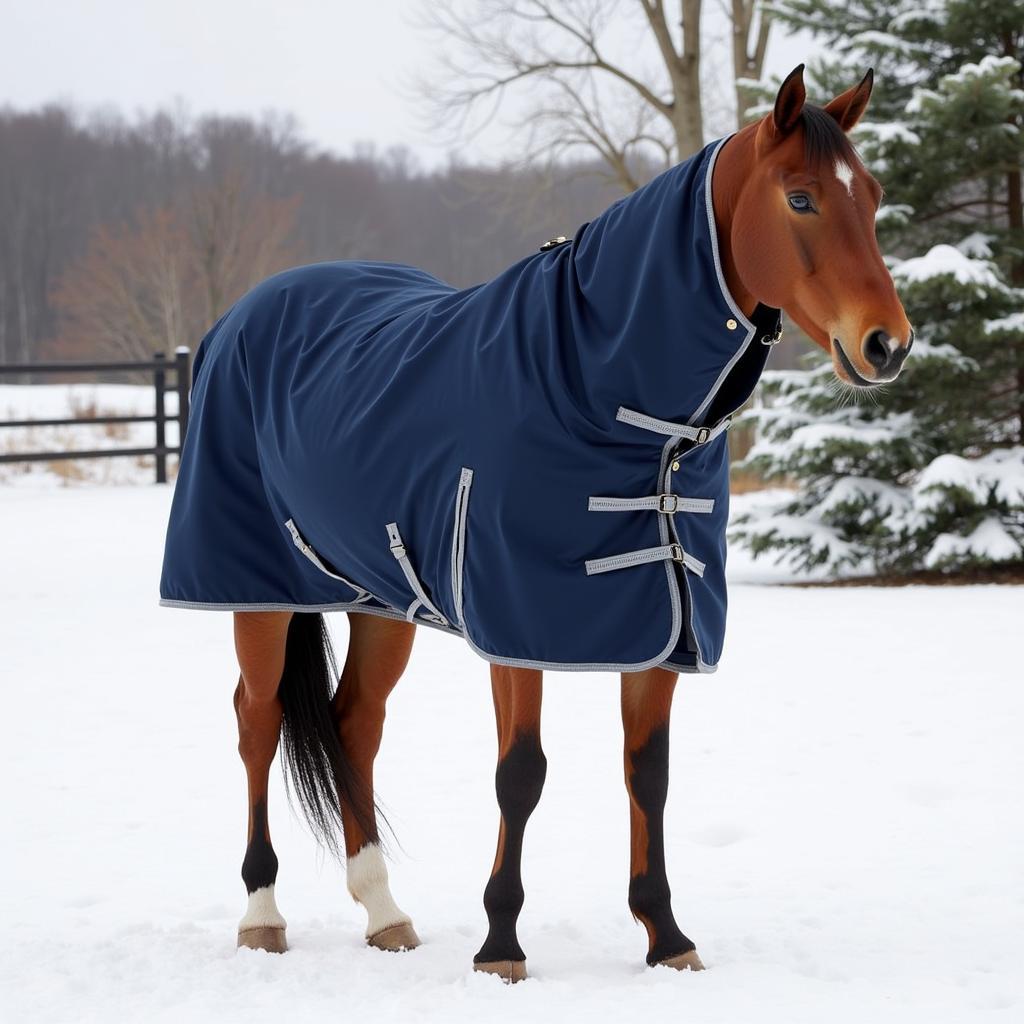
(402, 557)
(673, 552)
(666, 503)
(362, 595)
(699, 435)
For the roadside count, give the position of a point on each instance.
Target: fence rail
(159, 366)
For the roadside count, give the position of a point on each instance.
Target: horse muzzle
(879, 350)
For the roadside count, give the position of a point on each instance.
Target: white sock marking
(368, 884)
(262, 911)
(844, 172)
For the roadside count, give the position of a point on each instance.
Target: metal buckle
(676, 551)
(772, 339)
(702, 435)
(553, 243)
(663, 505)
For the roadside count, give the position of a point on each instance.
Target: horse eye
(801, 202)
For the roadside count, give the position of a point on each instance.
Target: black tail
(311, 748)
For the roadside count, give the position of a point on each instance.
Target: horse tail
(312, 753)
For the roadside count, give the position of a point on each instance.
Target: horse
(672, 296)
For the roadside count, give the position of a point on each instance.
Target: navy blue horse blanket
(537, 463)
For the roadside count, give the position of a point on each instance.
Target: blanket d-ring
(537, 463)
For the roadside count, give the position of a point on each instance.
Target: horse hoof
(395, 938)
(510, 971)
(269, 938)
(683, 962)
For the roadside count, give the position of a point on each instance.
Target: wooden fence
(159, 366)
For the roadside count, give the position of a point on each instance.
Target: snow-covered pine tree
(927, 472)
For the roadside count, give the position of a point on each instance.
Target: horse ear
(789, 103)
(848, 106)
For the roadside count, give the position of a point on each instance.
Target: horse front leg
(646, 704)
(378, 652)
(260, 643)
(519, 780)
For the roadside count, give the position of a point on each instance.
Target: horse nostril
(876, 349)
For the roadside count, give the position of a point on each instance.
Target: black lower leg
(650, 898)
(518, 781)
(259, 868)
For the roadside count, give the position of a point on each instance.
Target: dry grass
(1012, 574)
(82, 408)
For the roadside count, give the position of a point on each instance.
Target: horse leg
(519, 780)
(646, 703)
(260, 645)
(378, 652)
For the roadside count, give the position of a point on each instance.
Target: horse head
(796, 216)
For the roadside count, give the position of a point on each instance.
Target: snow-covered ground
(844, 827)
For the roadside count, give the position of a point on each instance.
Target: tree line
(126, 236)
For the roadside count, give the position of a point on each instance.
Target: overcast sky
(343, 67)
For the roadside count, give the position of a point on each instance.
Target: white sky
(343, 67)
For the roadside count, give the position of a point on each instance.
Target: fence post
(181, 369)
(160, 387)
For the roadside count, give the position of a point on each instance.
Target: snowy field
(844, 826)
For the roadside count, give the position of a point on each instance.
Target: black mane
(823, 138)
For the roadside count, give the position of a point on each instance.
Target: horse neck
(731, 169)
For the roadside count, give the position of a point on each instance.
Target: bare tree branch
(558, 57)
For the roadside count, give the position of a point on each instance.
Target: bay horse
(778, 216)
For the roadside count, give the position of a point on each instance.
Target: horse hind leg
(260, 641)
(377, 655)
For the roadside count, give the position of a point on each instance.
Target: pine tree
(928, 472)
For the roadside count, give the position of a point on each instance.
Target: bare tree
(128, 296)
(238, 239)
(583, 93)
(751, 27)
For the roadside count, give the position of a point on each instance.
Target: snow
(948, 261)
(888, 131)
(899, 213)
(989, 540)
(877, 495)
(1013, 323)
(844, 826)
(1000, 473)
(875, 40)
(977, 244)
(933, 12)
(989, 64)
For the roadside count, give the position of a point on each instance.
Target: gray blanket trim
(459, 539)
(341, 606)
(723, 287)
(699, 669)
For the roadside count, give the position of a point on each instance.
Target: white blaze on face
(844, 172)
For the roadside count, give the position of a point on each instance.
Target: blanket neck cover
(537, 463)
